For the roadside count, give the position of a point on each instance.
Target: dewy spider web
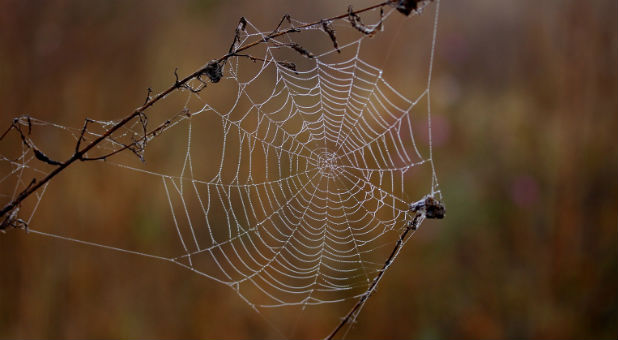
(306, 190)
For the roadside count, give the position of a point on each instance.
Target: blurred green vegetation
(525, 127)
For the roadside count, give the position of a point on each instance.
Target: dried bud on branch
(300, 50)
(411, 6)
(430, 207)
(214, 71)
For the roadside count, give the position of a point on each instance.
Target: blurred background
(525, 123)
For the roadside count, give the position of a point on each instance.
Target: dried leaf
(331, 33)
(301, 50)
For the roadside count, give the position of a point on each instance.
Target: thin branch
(38, 154)
(212, 70)
(242, 24)
(148, 95)
(144, 139)
(428, 207)
(296, 29)
(83, 132)
(285, 18)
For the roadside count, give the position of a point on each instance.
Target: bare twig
(148, 95)
(212, 70)
(296, 29)
(81, 135)
(27, 141)
(428, 207)
(285, 18)
(242, 24)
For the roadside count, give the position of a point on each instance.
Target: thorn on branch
(300, 50)
(150, 92)
(242, 24)
(285, 18)
(11, 127)
(21, 133)
(29, 124)
(81, 136)
(276, 31)
(143, 119)
(331, 33)
(176, 82)
(27, 142)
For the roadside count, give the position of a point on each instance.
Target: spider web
(303, 180)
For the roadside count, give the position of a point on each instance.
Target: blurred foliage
(525, 129)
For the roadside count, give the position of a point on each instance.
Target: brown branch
(212, 70)
(413, 225)
(285, 18)
(83, 132)
(428, 207)
(242, 24)
(357, 23)
(295, 29)
(131, 146)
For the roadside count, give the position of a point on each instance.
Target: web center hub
(328, 165)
